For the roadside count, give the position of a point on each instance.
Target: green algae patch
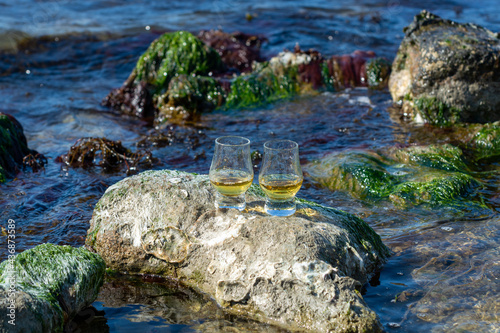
(377, 72)
(436, 112)
(64, 278)
(443, 157)
(485, 144)
(262, 87)
(438, 190)
(362, 174)
(174, 54)
(192, 93)
(433, 176)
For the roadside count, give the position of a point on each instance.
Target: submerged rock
(435, 175)
(14, 151)
(52, 284)
(180, 76)
(301, 272)
(446, 72)
(484, 142)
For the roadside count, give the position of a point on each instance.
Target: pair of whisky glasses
(280, 176)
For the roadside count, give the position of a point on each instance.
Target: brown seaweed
(106, 154)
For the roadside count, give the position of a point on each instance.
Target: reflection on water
(444, 273)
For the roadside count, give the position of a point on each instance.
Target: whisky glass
(231, 171)
(280, 176)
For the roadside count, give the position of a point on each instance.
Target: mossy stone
(377, 72)
(262, 87)
(362, 174)
(66, 278)
(173, 54)
(443, 157)
(434, 176)
(436, 112)
(437, 190)
(485, 144)
(192, 92)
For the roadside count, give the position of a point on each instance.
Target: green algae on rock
(377, 72)
(310, 265)
(362, 174)
(485, 143)
(173, 54)
(447, 72)
(146, 92)
(14, 151)
(435, 175)
(180, 76)
(186, 95)
(262, 87)
(54, 283)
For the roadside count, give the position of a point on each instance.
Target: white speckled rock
(301, 272)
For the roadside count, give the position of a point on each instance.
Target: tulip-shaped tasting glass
(231, 172)
(280, 176)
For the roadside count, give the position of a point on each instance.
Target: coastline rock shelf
(180, 75)
(447, 72)
(302, 272)
(53, 283)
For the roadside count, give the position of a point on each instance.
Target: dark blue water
(54, 85)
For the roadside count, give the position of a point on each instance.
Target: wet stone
(14, 152)
(447, 72)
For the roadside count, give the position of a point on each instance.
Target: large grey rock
(446, 72)
(41, 288)
(302, 272)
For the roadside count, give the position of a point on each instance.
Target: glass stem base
(280, 208)
(237, 201)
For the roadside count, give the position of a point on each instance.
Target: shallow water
(444, 272)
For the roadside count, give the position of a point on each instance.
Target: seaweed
(485, 144)
(106, 154)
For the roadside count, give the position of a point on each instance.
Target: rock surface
(52, 284)
(302, 272)
(446, 72)
(14, 151)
